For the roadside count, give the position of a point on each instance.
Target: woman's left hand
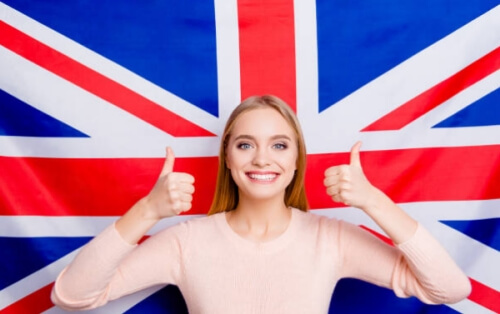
(348, 184)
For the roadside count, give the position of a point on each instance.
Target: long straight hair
(226, 190)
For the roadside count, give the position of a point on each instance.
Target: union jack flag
(92, 92)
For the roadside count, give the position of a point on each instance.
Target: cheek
(235, 159)
(289, 163)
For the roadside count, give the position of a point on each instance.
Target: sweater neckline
(251, 246)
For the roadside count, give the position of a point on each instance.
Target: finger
(186, 198)
(186, 206)
(181, 177)
(181, 206)
(186, 178)
(332, 171)
(337, 198)
(332, 190)
(186, 188)
(331, 180)
(355, 160)
(338, 188)
(168, 166)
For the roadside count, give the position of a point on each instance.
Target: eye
(244, 146)
(280, 146)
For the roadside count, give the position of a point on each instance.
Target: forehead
(262, 122)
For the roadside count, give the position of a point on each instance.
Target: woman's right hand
(171, 195)
(173, 192)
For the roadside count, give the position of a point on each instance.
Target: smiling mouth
(264, 177)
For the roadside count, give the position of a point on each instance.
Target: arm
(421, 267)
(112, 265)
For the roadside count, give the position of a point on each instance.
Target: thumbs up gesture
(348, 184)
(173, 192)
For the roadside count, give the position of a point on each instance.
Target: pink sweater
(217, 271)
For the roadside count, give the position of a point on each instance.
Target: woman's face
(261, 154)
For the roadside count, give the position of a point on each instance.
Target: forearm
(395, 222)
(84, 283)
(136, 222)
(426, 263)
(428, 271)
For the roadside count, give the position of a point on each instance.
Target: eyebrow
(274, 137)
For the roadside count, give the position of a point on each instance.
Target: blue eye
(244, 146)
(280, 146)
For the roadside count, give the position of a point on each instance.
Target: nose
(261, 157)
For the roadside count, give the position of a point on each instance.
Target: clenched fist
(173, 192)
(348, 184)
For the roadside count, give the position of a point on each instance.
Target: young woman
(259, 250)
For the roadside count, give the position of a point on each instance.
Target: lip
(262, 177)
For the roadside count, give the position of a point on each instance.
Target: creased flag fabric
(91, 93)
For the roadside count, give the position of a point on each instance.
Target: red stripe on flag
(92, 187)
(37, 302)
(382, 237)
(267, 49)
(438, 94)
(413, 175)
(485, 296)
(102, 187)
(96, 83)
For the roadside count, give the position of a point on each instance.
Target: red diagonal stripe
(382, 237)
(267, 48)
(96, 83)
(438, 94)
(37, 302)
(102, 187)
(485, 296)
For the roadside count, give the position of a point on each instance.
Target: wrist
(145, 211)
(376, 200)
(136, 222)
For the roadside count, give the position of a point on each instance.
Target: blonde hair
(226, 190)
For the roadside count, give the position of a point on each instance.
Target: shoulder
(325, 226)
(318, 226)
(198, 228)
(187, 225)
(204, 223)
(313, 220)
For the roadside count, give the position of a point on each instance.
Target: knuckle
(330, 171)
(344, 169)
(174, 198)
(330, 191)
(345, 185)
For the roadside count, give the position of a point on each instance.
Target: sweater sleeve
(108, 267)
(418, 267)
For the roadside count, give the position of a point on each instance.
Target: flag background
(91, 93)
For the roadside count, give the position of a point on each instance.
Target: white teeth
(262, 177)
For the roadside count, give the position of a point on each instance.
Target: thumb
(168, 166)
(355, 160)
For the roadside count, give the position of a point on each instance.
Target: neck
(260, 220)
